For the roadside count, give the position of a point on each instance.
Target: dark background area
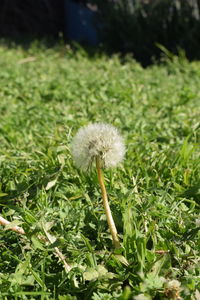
(122, 26)
(37, 18)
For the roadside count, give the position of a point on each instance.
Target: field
(46, 95)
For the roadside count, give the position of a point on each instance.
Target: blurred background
(143, 28)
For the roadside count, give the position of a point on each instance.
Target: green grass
(154, 194)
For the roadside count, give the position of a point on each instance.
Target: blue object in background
(80, 23)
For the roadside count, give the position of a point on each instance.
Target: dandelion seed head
(97, 140)
(173, 289)
(173, 284)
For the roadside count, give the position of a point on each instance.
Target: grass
(154, 194)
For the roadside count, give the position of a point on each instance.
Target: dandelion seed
(100, 143)
(100, 140)
(173, 284)
(173, 289)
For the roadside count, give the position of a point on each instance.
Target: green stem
(109, 217)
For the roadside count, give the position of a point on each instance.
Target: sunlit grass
(154, 195)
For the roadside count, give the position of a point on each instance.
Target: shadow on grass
(193, 193)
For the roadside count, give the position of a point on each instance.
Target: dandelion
(101, 144)
(173, 289)
(97, 140)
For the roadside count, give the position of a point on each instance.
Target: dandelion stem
(109, 217)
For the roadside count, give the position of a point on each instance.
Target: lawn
(46, 95)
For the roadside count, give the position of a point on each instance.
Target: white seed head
(97, 140)
(173, 284)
